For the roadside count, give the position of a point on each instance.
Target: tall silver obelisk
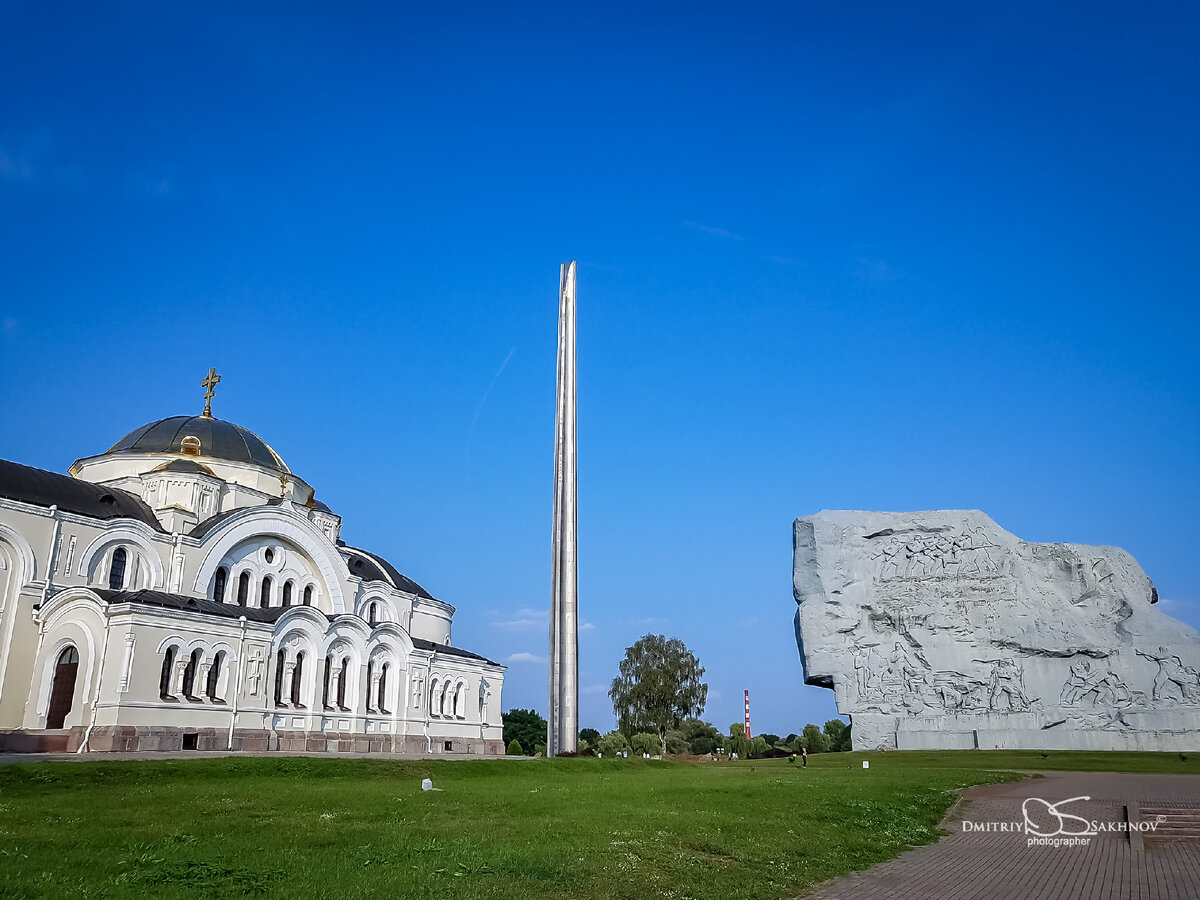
(562, 725)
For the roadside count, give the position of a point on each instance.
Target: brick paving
(989, 865)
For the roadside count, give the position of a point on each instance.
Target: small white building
(186, 590)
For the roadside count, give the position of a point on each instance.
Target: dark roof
(212, 522)
(194, 604)
(422, 644)
(370, 567)
(252, 614)
(218, 440)
(41, 488)
(188, 466)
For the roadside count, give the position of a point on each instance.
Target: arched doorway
(62, 692)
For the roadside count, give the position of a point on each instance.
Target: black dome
(218, 440)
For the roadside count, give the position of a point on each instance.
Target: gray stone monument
(562, 724)
(940, 630)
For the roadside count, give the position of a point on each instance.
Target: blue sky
(830, 256)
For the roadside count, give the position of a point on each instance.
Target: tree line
(525, 734)
(658, 699)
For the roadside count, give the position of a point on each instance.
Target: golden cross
(210, 382)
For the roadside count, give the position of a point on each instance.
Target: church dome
(201, 436)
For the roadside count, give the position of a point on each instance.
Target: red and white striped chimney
(747, 715)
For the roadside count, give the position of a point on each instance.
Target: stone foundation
(66, 740)
(142, 738)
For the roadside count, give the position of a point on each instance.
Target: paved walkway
(972, 864)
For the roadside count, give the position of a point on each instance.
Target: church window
(382, 688)
(325, 686)
(62, 689)
(116, 573)
(214, 678)
(308, 595)
(189, 675)
(287, 593)
(433, 698)
(269, 555)
(280, 659)
(370, 678)
(442, 699)
(264, 598)
(297, 673)
(164, 678)
(371, 615)
(243, 588)
(219, 585)
(341, 691)
(191, 445)
(459, 690)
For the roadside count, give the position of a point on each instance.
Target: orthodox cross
(209, 383)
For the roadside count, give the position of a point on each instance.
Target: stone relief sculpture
(1174, 681)
(941, 629)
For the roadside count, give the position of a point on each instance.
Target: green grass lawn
(297, 827)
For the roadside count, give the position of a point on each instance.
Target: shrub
(677, 742)
(526, 726)
(514, 748)
(612, 743)
(703, 744)
(645, 743)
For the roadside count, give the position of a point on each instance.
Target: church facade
(186, 590)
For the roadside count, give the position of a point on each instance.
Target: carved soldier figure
(902, 668)
(1082, 681)
(1006, 682)
(1174, 680)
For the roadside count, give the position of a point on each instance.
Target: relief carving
(942, 629)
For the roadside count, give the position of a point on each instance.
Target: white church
(186, 590)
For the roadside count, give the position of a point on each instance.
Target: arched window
(280, 658)
(243, 588)
(116, 573)
(459, 689)
(189, 675)
(442, 698)
(308, 596)
(264, 597)
(370, 678)
(62, 690)
(341, 692)
(287, 593)
(214, 678)
(297, 673)
(382, 688)
(434, 709)
(164, 678)
(371, 614)
(219, 585)
(325, 686)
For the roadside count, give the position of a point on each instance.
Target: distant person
(804, 757)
